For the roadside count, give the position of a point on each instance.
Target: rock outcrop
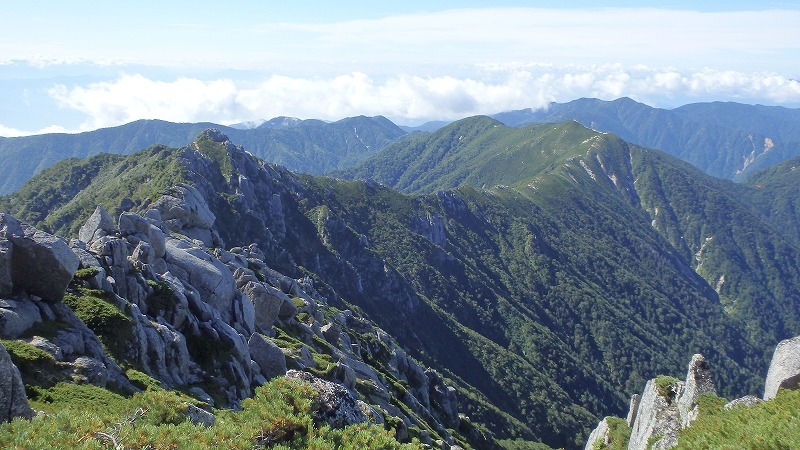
(698, 382)
(6, 282)
(212, 321)
(748, 401)
(333, 404)
(13, 402)
(665, 407)
(599, 434)
(268, 356)
(657, 415)
(99, 224)
(784, 370)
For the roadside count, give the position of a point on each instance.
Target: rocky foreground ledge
(668, 405)
(216, 323)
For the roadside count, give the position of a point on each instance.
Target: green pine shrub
(35, 365)
(107, 321)
(278, 416)
(768, 425)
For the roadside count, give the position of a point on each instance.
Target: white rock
(43, 264)
(17, 316)
(784, 370)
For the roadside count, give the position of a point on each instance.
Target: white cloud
(409, 98)
(14, 132)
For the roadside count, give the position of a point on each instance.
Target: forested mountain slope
(720, 229)
(547, 271)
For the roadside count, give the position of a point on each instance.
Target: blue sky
(75, 66)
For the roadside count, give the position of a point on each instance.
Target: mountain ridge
(561, 275)
(710, 136)
(311, 146)
(727, 140)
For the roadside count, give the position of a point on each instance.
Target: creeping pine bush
(35, 365)
(769, 425)
(665, 385)
(279, 416)
(108, 322)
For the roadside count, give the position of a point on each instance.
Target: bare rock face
(267, 355)
(784, 370)
(598, 434)
(633, 408)
(41, 264)
(6, 283)
(98, 225)
(698, 382)
(444, 398)
(13, 402)
(184, 210)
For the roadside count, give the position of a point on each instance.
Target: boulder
(131, 224)
(784, 370)
(331, 331)
(199, 416)
(43, 344)
(333, 404)
(41, 264)
(345, 375)
(183, 209)
(698, 382)
(90, 370)
(6, 283)
(13, 402)
(17, 316)
(158, 240)
(187, 205)
(267, 355)
(288, 310)
(600, 433)
(142, 253)
(267, 302)
(99, 224)
(748, 401)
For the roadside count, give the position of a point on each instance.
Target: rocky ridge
(668, 405)
(199, 318)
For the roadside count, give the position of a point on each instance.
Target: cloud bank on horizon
(410, 67)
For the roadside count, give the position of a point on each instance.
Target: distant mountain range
(726, 140)
(310, 146)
